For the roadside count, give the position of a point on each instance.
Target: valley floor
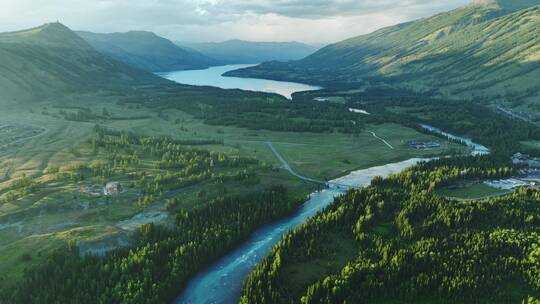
(44, 142)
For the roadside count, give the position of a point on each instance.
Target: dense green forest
(476, 120)
(156, 269)
(396, 241)
(381, 232)
(257, 111)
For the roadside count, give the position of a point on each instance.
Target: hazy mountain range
(489, 48)
(150, 52)
(240, 51)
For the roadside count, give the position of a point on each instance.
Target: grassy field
(317, 155)
(60, 212)
(472, 191)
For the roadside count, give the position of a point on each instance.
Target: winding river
(214, 77)
(222, 281)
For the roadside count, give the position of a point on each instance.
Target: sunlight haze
(218, 20)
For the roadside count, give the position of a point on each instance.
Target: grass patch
(472, 191)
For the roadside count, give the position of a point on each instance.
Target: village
(529, 174)
(424, 145)
(109, 189)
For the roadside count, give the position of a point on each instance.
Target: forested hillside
(399, 242)
(147, 51)
(487, 48)
(51, 60)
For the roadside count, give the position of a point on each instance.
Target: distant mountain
(487, 48)
(239, 51)
(51, 60)
(507, 5)
(147, 51)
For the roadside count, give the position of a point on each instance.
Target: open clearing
(474, 191)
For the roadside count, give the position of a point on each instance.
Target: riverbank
(222, 281)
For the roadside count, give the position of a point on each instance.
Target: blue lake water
(222, 281)
(213, 77)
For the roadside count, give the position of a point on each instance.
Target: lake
(213, 77)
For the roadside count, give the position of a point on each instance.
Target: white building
(112, 188)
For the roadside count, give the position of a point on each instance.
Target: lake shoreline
(216, 77)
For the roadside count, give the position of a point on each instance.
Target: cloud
(315, 9)
(210, 20)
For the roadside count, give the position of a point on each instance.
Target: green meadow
(34, 223)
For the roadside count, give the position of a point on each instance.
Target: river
(214, 77)
(477, 149)
(222, 281)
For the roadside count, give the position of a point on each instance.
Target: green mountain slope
(485, 48)
(51, 60)
(239, 51)
(147, 51)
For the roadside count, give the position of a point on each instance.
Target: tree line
(158, 267)
(411, 245)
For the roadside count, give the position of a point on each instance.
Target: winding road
(517, 116)
(287, 167)
(381, 139)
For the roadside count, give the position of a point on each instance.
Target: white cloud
(210, 20)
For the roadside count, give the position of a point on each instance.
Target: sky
(310, 21)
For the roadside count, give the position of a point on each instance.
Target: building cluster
(529, 177)
(511, 183)
(526, 161)
(424, 145)
(112, 188)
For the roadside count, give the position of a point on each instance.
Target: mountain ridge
(429, 54)
(237, 51)
(49, 34)
(51, 61)
(147, 51)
